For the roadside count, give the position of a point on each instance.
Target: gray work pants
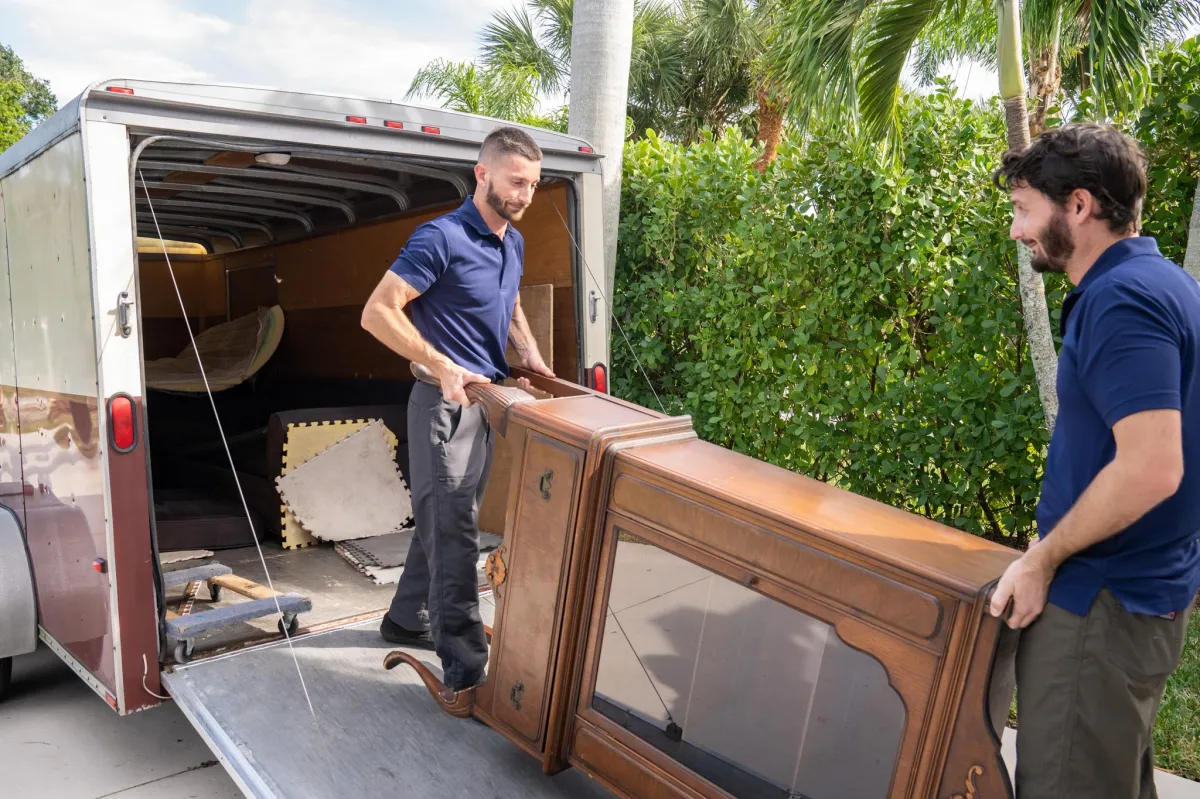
(450, 457)
(1088, 690)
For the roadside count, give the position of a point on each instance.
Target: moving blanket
(232, 353)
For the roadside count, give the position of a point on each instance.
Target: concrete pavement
(58, 740)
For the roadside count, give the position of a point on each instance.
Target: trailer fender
(18, 607)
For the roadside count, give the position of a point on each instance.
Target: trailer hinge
(593, 300)
(123, 306)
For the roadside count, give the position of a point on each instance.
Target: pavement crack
(203, 765)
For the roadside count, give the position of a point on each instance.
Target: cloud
(368, 48)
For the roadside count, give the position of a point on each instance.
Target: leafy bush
(1169, 131)
(853, 319)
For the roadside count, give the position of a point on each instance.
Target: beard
(507, 211)
(1057, 246)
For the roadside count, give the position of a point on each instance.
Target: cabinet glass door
(755, 696)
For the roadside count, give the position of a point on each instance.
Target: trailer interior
(273, 251)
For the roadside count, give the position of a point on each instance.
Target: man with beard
(1103, 597)
(460, 273)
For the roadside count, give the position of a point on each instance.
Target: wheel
(214, 591)
(5, 675)
(291, 622)
(183, 650)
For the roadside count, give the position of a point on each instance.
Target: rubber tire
(5, 675)
(292, 628)
(214, 592)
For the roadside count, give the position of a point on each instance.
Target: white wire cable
(611, 312)
(228, 453)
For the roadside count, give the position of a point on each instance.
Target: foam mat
(381, 558)
(304, 441)
(351, 489)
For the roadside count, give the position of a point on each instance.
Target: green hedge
(847, 317)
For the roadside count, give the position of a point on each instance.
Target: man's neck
(496, 223)
(1085, 258)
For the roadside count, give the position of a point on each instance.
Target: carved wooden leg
(459, 704)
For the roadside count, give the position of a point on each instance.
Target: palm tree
(842, 60)
(601, 47)
(696, 65)
(502, 92)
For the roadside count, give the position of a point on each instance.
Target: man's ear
(1082, 205)
(481, 173)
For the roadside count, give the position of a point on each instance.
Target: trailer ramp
(376, 732)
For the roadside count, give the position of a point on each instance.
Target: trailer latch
(123, 306)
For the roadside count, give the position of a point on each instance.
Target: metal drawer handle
(544, 484)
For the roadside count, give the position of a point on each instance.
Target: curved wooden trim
(459, 704)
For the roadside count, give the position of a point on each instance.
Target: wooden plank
(566, 345)
(538, 304)
(240, 585)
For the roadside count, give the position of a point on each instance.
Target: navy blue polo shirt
(468, 279)
(1131, 343)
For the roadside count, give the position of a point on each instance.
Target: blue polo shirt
(468, 279)
(1131, 343)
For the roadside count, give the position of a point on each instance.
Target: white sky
(366, 48)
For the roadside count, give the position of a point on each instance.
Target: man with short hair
(1104, 595)
(460, 273)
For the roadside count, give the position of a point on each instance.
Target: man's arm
(384, 318)
(1146, 470)
(525, 344)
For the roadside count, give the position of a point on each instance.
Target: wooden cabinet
(679, 620)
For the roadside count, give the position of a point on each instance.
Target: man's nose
(1016, 230)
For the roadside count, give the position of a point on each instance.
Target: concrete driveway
(58, 740)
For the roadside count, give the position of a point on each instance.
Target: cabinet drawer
(531, 598)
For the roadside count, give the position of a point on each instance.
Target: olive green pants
(1088, 690)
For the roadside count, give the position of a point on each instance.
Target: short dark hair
(1098, 158)
(510, 141)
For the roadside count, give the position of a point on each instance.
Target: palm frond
(955, 35)
(556, 17)
(885, 49)
(510, 40)
(816, 58)
(656, 70)
(1118, 38)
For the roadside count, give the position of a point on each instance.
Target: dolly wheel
(184, 650)
(214, 591)
(5, 675)
(291, 622)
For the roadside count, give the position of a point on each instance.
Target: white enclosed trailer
(295, 204)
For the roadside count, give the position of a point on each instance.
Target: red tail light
(357, 120)
(387, 123)
(431, 129)
(600, 378)
(585, 149)
(119, 90)
(122, 422)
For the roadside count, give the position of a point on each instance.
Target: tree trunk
(1191, 259)
(1045, 78)
(770, 127)
(601, 47)
(1044, 83)
(1033, 290)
